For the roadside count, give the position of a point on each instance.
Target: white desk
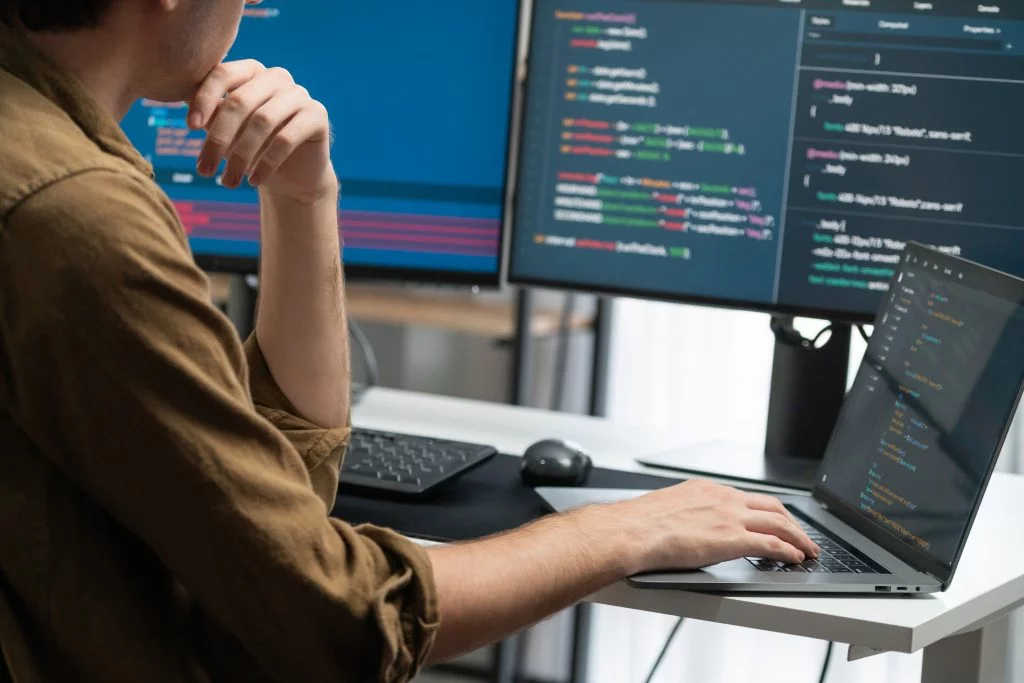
(964, 631)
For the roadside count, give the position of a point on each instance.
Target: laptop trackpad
(562, 499)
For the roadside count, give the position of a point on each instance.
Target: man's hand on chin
(268, 129)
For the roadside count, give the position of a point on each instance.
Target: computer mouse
(554, 462)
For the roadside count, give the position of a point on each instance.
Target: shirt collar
(25, 61)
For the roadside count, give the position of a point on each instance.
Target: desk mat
(488, 500)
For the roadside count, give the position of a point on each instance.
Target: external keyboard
(407, 464)
(835, 558)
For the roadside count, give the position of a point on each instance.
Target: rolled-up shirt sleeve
(406, 608)
(322, 450)
(147, 406)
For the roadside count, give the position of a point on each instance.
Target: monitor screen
(776, 155)
(420, 98)
(921, 429)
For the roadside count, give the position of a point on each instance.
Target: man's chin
(172, 97)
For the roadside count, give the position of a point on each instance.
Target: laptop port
(902, 588)
(883, 589)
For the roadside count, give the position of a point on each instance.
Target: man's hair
(53, 15)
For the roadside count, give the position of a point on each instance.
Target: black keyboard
(402, 463)
(836, 557)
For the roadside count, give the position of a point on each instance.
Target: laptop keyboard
(835, 558)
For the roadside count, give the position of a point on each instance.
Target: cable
(782, 328)
(817, 338)
(864, 334)
(562, 354)
(366, 348)
(664, 650)
(828, 660)
(675, 630)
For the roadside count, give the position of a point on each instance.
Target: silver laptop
(913, 449)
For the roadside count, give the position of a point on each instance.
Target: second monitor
(765, 155)
(420, 98)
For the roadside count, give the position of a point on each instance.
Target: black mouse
(554, 462)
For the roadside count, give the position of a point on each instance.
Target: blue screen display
(420, 100)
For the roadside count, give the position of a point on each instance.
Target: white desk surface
(988, 583)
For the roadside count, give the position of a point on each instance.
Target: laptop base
(740, 576)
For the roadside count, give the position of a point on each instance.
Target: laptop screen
(924, 422)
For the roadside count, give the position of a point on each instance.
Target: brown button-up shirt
(163, 507)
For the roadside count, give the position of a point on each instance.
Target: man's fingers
(223, 79)
(233, 115)
(258, 132)
(761, 501)
(305, 125)
(766, 503)
(780, 526)
(773, 548)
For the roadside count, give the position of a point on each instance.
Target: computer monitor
(420, 97)
(774, 155)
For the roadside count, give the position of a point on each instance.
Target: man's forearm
(301, 324)
(492, 588)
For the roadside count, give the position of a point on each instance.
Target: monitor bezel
(357, 273)
(836, 315)
(892, 543)
(249, 265)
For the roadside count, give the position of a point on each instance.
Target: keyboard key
(834, 551)
(762, 564)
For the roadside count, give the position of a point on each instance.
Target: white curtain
(705, 374)
(1013, 461)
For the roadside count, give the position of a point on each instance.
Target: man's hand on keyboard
(490, 588)
(698, 523)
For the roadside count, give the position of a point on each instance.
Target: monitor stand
(807, 391)
(241, 305)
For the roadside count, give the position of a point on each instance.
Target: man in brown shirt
(165, 488)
